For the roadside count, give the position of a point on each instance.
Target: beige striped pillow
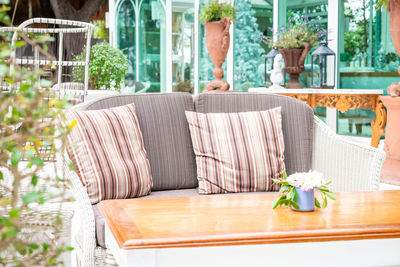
(107, 149)
(237, 152)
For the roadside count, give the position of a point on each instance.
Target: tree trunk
(73, 43)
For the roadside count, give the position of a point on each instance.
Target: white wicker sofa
(309, 144)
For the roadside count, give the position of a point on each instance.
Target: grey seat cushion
(100, 222)
(297, 121)
(165, 133)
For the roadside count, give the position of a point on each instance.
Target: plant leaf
(275, 204)
(32, 196)
(331, 195)
(316, 202)
(16, 156)
(325, 203)
(295, 205)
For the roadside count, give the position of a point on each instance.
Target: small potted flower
(298, 191)
(294, 43)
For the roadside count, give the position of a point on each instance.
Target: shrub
(108, 67)
(29, 131)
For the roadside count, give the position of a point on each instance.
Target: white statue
(277, 73)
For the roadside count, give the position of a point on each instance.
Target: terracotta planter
(394, 10)
(217, 38)
(391, 167)
(294, 64)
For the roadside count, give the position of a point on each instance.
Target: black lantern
(269, 63)
(321, 57)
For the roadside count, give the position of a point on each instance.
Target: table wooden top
(307, 91)
(238, 219)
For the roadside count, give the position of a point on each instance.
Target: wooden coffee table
(359, 229)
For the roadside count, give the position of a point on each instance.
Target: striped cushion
(107, 149)
(237, 152)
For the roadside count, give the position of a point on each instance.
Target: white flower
(306, 180)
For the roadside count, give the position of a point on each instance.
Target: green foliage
(391, 57)
(345, 57)
(297, 34)
(100, 31)
(215, 11)
(108, 67)
(29, 122)
(289, 194)
(384, 3)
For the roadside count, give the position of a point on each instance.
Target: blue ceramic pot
(305, 200)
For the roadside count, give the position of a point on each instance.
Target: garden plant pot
(294, 64)
(394, 9)
(217, 38)
(305, 200)
(391, 167)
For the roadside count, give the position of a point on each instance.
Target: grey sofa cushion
(297, 121)
(165, 133)
(100, 222)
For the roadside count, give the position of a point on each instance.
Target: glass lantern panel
(126, 36)
(366, 59)
(205, 65)
(183, 47)
(253, 19)
(152, 40)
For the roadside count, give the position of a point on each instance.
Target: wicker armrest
(350, 166)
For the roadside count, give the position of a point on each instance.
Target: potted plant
(108, 67)
(294, 43)
(217, 19)
(391, 166)
(393, 7)
(298, 191)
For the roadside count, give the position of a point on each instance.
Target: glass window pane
(253, 19)
(317, 13)
(152, 46)
(126, 37)
(367, 58)
(183, 47)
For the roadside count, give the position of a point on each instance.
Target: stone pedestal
(391, 167)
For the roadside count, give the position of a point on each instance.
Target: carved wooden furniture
(343, 100)
(244, 230)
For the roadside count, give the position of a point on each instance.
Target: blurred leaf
(34, 180)
(10, 233)
(325, 203)
(16, 156)
(317, 204)
(14, 213)
(31, 197)
(331, 195)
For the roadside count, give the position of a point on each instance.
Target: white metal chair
(33, 57)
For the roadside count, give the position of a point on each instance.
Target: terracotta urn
(391, 167)
(217, 38)
(394, 9)
(294, 63)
